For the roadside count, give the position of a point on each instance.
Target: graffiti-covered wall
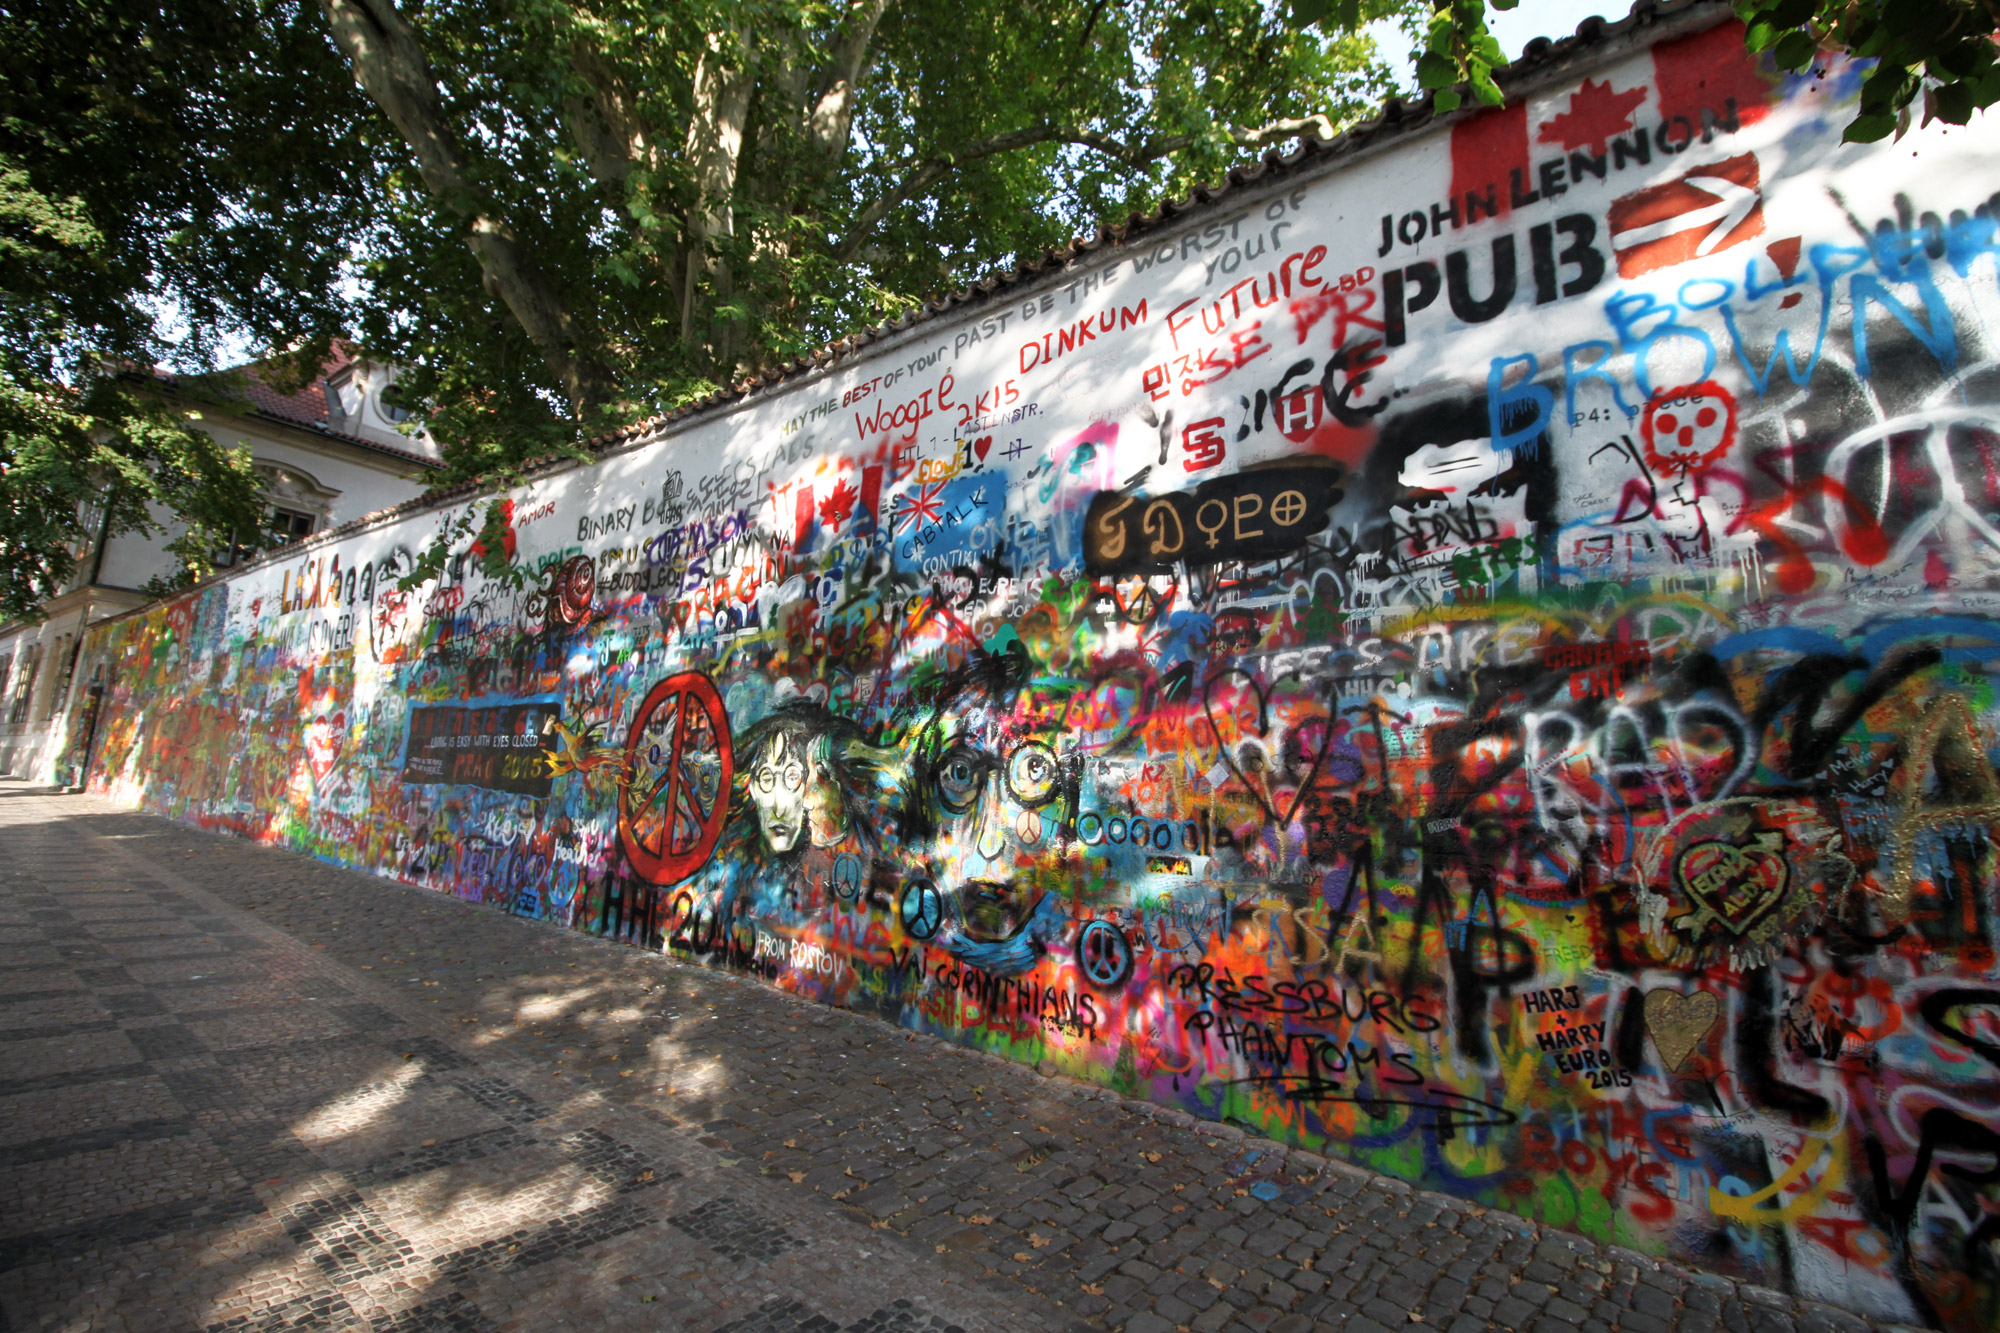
(1471, 654)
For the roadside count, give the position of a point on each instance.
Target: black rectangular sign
(502, 747)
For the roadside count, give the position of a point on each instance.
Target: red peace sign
(675, 798)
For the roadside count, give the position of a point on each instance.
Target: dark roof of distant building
(307, 409)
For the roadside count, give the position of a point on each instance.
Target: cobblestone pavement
(240, 1089)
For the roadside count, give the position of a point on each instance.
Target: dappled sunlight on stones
(548, 1007)
(516, 1192)
(356, 1110)
(435, 1159)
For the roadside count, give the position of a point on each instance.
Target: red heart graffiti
(1739, 886)
(981, 445)
(324, 737)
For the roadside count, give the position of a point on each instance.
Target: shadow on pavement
(324, 1098)
(245, 1089)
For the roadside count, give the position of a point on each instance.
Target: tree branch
(930, 171)
(1132, 155)
(833, 113)
(600, 119)
(614, 139)
(389, 64)
(1082, 40)
(1278, 131)
(724, 78)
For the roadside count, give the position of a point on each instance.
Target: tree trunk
(389, 64)
(723, 81)
(833, 114)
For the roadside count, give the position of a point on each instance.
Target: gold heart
(1678, 1023)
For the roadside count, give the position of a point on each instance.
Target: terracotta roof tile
(307, 407)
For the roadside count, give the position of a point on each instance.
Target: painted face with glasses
(992, 793)
(792, 789)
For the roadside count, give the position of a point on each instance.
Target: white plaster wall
(365, 483)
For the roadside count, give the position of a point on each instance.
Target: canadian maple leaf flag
(1706, 209)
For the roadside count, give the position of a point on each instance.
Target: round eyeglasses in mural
(675, 798)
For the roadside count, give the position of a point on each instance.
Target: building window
(281, 527)
(6, 670)
(24, 683)
(287, 525)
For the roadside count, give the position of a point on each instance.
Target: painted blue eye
(959, 779)
(1031, 774)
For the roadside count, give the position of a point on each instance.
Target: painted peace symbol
(675, 797)
(847, 877)
(1104, 954)
(922, 908)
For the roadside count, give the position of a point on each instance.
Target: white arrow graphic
(1734, 203)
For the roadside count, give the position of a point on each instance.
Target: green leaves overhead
(563, 216)
(1938, 54)
(705, 189)
(1942, 50)
(1460, 50)
(186, 163)
(74, 463)
(1335, 13)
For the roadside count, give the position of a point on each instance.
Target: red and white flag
(1706, 209)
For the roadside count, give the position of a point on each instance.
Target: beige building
(328, 454)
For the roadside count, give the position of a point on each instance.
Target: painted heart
(1737, 885)
(1679, 1022)
(980, 447)
(1269, 721)
(322, 743)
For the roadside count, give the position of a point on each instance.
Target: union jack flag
(925, 506)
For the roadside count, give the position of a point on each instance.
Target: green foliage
(1459, 50)
(430, 563)
(568, 215)
(486, 523)
(68, 456)
(576, 120)
(184, 159)
(1941, 49)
